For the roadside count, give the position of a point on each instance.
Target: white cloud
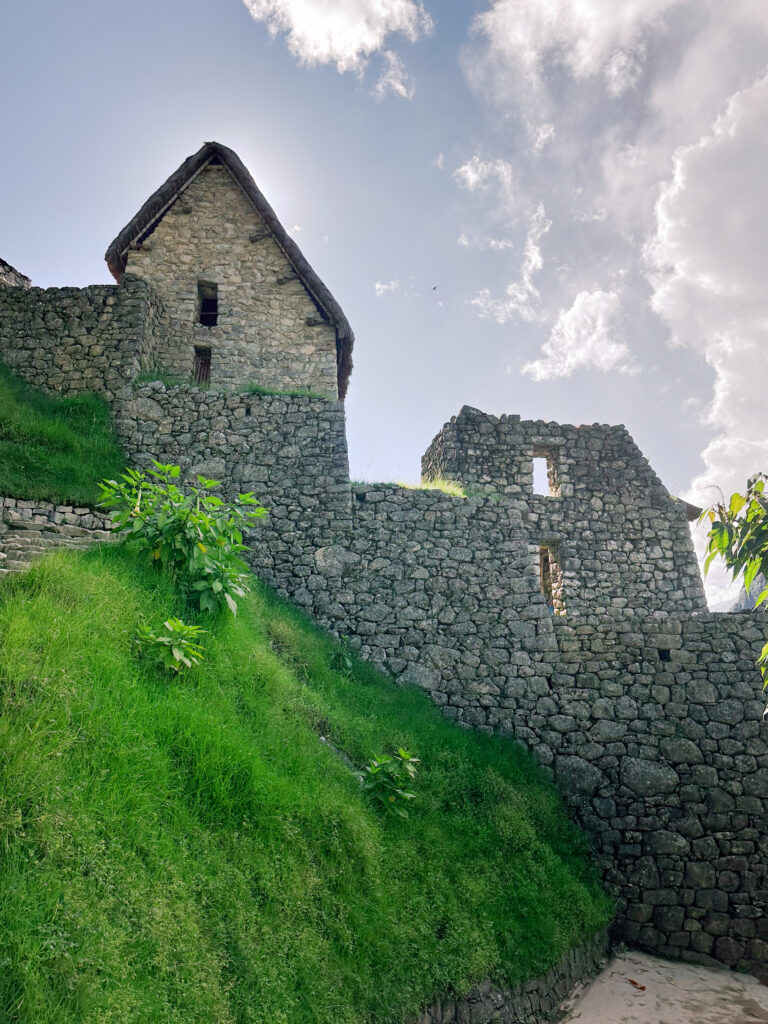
(724, 50)
(340, 32)
(478, 174)
(521, 297)
(439, 161)
(481, 242)
(541, 135)
(382, 287)
(394, 78)
(584, 337)
(623, 70)
(708, 270)
(525, 38)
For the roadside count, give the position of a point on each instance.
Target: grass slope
(188, 850)
(54, 449)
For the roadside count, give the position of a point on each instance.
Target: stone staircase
(30, 529)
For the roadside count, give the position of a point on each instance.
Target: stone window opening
(208, 303)
(202, 365)
(546, 472)
(551, 578)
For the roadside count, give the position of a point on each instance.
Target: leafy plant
(341, 656)
(385, 778)
(191, 533)
(177, 649)
(738, 534)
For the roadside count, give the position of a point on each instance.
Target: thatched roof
(158, 203)
(6, 270)
(692, 512)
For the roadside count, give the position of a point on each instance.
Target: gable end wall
(262, 335)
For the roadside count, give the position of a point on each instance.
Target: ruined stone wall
(649, 720)
(650, 724)
(654, 731)
(622, 542)
(269, 330)
(73, 340)
(30, 529)
(291, 452)
(11, 277)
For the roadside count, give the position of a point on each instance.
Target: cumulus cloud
(521, 297)
(541, 135)
(524, 38)
(477, 174)
(724, 50)
(340, 32)
(382, 287)
(708, 262)
(585, 336)
(623, 70)
(393, 78)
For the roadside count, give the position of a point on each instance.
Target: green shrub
(176, 649)
(192, 534)
(386, 777)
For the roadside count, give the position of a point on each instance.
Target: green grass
(168, 380)
(188, 850)
(257, 389)
(54, 449)
(449, 487)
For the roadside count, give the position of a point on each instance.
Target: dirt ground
(635, 988)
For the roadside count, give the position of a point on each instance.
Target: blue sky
(583, 182)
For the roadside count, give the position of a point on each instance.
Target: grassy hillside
(54, 449)
(188, 849)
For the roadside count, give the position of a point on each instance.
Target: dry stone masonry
(573, 621)
(267, 327)
(29, 529)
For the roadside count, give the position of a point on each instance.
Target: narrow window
(551, 578)
(540, 479)
(202, 365)
(546, 472)
(208, 303)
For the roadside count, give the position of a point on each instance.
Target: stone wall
(29, 529)
(622, 542)
(651, 724)
(534, 1002)
(269, 330)
(290, 451)
(654, 729)
(11, 277)
(648, 716)
(72, 340)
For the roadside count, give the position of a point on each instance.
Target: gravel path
(638, 989)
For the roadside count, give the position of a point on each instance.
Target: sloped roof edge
(153, 209)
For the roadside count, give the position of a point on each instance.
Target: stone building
(212, 288)
(572, 620)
